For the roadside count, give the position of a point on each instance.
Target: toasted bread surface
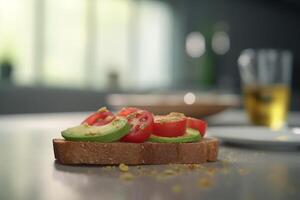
(71, 152)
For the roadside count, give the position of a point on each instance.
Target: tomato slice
(126, 111)
(197, 124)
(141, 122)
(99, 118)
(172, 125)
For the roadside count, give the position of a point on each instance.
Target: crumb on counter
(127, 176)
(243, 171)
(176, 168)
(205, 183)
(225, 162)
(139, 167)
(194, 166)
(173, 170)
(123, 167)
(211, 171)
(169, 172)
(176, 188)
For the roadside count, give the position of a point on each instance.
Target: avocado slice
(110, 132)
(191, 135)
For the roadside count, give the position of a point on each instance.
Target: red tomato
(142, 124)
(172, 125)
(99, 118)
(126, 111)
(198, 124)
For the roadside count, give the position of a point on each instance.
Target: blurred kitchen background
(58, 56)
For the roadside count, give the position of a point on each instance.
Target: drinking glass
(266, 77)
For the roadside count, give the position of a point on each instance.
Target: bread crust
(72, 153)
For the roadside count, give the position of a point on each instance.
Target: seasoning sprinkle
(127, 176)
(176, 188)
(204, 183)
(123, 167)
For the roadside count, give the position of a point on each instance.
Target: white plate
(257, 136)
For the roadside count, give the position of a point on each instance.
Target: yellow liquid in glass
(267, 105)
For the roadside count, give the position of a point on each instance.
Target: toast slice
(70, 152)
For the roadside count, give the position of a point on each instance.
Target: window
(154, 41)
(16, 38)
(79, 43)
(65, 43)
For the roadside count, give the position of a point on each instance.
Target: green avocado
(191, 135)
(111, 132)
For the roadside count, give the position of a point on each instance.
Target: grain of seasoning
(169, 172)
(176, 188)
(194, 166)
(243, 171)
(127, 176)
(123, 167)
(205, 183)
(139, 167)
(211, 171)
